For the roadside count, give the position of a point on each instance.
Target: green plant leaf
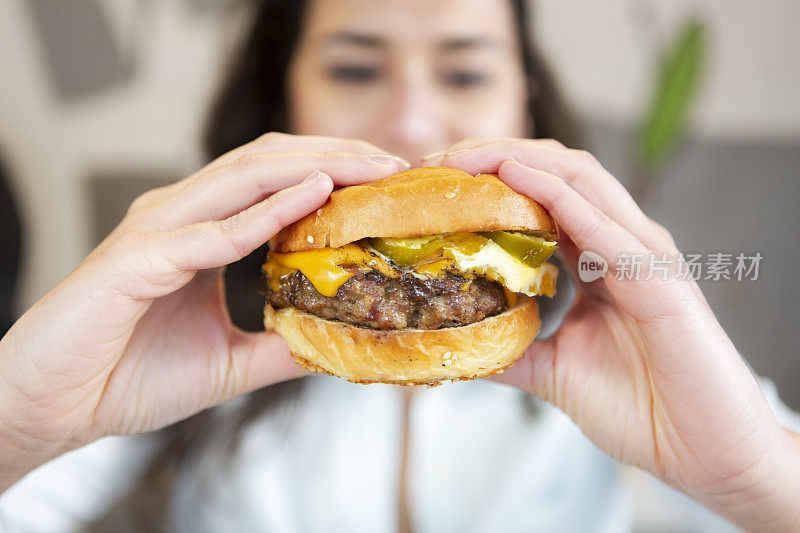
(676, 86)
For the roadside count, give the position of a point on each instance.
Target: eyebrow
(466, 43)
(358, 39)
(371, 41)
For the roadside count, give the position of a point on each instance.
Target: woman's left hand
(138, 336)
(642, 365)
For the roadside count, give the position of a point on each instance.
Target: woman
(139, 336)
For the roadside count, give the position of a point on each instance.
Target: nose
(415, 124)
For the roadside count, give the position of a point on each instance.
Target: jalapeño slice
(412, 251)
(408, 252)
(528, 249)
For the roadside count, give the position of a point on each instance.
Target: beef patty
(376, 301)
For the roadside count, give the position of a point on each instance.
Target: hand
(643, 366)
(138, 336)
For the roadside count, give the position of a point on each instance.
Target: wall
(151, 123)
(604, 51)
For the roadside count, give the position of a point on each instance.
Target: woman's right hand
(640, 362)
(138, 336)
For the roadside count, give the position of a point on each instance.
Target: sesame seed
(450, 195)
(447, 355)
(310, 239)
(319, 211)
(447, 362)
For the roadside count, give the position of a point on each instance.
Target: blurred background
(101, 100)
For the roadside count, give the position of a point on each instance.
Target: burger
(426, 276)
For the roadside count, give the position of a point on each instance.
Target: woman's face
(411, 76)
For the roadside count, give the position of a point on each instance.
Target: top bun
(420, 201)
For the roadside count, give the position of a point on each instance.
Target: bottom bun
(407, 356)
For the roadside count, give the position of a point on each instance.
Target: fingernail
(313, 177)
(456, 152)
(385, 159)
(433, 155)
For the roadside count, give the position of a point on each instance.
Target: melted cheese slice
(326, 268)
(494, 263)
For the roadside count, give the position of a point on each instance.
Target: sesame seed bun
(421, 201)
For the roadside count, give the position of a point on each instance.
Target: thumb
(255, 360)
(534, 372)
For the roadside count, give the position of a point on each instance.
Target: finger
(435, 158)
(586, 225)
(212, 244)
(579, 169)
(274, 142)
(570, 255)
(642, 296)
(225, 190)
(255, 361)
(438, 157)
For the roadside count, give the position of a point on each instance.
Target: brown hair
(253, 100)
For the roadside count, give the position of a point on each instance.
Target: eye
(462, 79)
(354, 73)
